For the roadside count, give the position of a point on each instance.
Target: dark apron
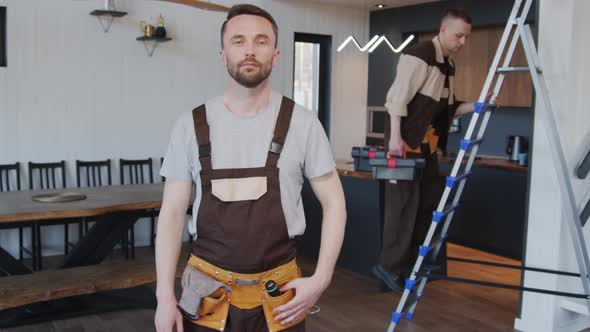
(244, 236)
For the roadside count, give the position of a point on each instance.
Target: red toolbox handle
(391, 163)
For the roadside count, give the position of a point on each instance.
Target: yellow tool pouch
(430, 138)
(247, 292)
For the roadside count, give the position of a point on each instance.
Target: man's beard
(248, 80)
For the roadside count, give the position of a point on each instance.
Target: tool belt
(244, 291)
(429, 143)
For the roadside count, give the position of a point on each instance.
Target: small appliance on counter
(516, 145)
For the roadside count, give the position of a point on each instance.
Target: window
(311, 74)
(306, 83)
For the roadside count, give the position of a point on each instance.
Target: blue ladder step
(453, 180)
(468, 144)
(483, 107)
(437, 216)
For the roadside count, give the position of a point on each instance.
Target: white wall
(71, 91)
(563, 52)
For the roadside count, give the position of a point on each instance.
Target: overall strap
(202, 135)
(280, 133)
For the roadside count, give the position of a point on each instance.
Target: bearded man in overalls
(247, 153)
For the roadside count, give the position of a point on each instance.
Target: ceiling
(368, 4)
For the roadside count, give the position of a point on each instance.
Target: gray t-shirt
(243, 142)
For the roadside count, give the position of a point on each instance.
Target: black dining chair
(137, 171)
(50, 175)
(46, 175)
(93, 174)
(10, 181)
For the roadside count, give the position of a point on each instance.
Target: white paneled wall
(563, 52)
(71, 91)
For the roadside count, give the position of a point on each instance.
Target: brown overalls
(409, 204)
(242, 238)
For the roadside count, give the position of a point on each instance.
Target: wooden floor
(355, 303)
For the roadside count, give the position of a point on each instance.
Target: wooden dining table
(18, 206)
(113, 209)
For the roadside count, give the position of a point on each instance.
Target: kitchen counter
(483, 161)
(346, 168)
(488, 219)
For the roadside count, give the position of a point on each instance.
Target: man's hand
(167, 315)
(307, 292)
(396, 145)
(328, 189)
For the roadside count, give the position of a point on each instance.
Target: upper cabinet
(474, 61)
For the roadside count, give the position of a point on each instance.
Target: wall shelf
(106, 17)
(150, 43)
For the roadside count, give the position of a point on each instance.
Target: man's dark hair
(246, 9)
(457, 13)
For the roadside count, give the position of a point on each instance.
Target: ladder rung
(504, 70)
(437, 216)
(425, 271)
(452, 181)
(412, 299)
(439, 240)
(430, 267)
(423, 251)
(449, 208)
(585, 214)
(468, 144)
(409, 286)
(512, 69)
(584, 168)
(396, 317)
(422, 275)
(483, 107)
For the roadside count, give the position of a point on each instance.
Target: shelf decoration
(152, 35)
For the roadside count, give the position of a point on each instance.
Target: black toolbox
(362, 155)
(397, 168)
(374, 159)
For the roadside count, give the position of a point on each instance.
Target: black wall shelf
(154, 41)
(106, 17)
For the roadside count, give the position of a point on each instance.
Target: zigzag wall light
(374, 43)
